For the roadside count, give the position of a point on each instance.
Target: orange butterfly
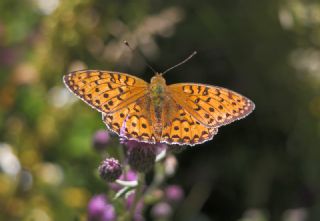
(184, 113)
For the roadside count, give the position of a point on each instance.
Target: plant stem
(121, 153)
(138, 194)
(122, 157)
(158, 178)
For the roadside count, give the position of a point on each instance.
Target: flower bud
(110, 169)
(101, 139)
(174, 193)
(141, 156)
(161, 210)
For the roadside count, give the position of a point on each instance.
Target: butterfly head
(158, 79)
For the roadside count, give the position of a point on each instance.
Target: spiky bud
(110, 169)
(141, 156)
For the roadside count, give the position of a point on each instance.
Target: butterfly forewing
(210, 105)
(106, 91)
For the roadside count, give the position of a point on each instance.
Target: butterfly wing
(210, 105)
(133, 122)
(194, 113)
(183, 129)
(105, 91)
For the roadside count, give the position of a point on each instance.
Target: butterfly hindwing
(210, 105)
(131, 123)
(104, 90)
(183, 129)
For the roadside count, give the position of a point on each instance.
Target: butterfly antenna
(141, 55)
(182, 62)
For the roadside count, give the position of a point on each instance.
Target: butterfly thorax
(157, 89)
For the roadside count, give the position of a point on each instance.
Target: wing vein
(123, 94)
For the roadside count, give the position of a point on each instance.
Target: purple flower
(130, 175)
(101, 139)
(110, 169)
(161, 210)
(108, 214)
(174, 194)
(100, 210)
(141, 156)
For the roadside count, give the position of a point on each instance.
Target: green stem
(158, 178)
(121, 153)
(122, 157)
(138, 194)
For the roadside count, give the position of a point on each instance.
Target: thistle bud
(141, 156)
(110, 169)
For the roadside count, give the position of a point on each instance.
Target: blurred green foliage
(266, 167)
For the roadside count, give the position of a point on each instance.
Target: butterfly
(183, 113)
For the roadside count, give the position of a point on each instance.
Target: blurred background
(263, 168)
